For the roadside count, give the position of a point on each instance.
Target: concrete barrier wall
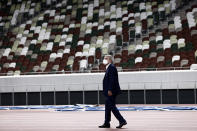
(185, 79)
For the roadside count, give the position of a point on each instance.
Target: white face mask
(105, 62)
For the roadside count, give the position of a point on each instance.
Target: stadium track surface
(50, 120)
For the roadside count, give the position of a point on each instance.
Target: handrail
(98, 83)
(99, 71)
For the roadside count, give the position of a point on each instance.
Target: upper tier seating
(74, 35)
(15, 12)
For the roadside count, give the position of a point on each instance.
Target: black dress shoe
(105, 126)
(121, 124)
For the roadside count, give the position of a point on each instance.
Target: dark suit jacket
(110, 81)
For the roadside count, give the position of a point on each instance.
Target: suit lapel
(107, 70)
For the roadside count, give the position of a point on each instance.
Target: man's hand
(109, 93)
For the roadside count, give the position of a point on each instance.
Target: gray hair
(110, 57)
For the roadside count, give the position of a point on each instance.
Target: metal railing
(97, 71)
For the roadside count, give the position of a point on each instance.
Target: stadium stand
(74, 35)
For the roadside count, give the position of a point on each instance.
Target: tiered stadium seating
(170, 46)
(15, 12)
(76, 34)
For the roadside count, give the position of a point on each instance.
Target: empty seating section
(15, 12)
(74, 35)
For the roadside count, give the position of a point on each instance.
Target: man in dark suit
(111, 89)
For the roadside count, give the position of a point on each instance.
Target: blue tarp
(81, 107)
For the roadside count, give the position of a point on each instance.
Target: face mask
(105, 62)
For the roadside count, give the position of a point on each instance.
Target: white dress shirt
(107, 66)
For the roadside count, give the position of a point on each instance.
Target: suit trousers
(110, 106)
